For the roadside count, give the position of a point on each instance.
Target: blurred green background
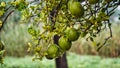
(83, 53)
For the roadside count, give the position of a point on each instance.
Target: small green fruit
(76, 8)
(72, 34)
(64, 43)
(52, 51)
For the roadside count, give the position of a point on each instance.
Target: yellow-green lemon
(52, 51)
(76, 8)
(72, 34)
(64, 43)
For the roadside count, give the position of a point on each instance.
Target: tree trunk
(61, 62)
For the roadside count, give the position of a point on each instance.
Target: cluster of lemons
(64, 43)
(71, 34)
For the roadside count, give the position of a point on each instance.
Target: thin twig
(8, 8)
(54, 13)
(106, 39)
(6, 19)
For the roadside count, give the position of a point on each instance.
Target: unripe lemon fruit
(64, 43)
(76, 8)
(52, 51)
(72, 34)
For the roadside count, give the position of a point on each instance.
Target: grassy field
(74, 61)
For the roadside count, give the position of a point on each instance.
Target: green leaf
(91, 39)
(32, 31)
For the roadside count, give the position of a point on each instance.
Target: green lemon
(76, 8)
(93, 1)
(64, 43)
(52, 51)
(72, 34)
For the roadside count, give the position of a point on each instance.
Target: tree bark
(61, 62)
